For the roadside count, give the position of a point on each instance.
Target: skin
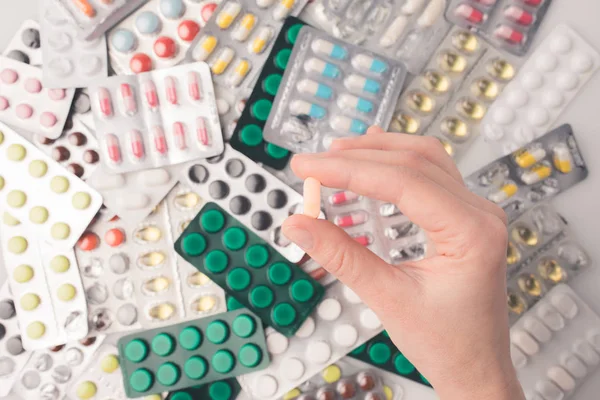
(447, 313)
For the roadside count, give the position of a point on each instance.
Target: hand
(446, 313)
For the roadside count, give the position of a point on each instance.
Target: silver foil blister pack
(25, 45)
(331, 89)
(156, 119)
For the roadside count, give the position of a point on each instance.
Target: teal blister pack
(227, 389)
(280, 293)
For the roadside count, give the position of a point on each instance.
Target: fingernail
(301, 237)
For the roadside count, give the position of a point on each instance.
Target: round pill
(261, 109)
(60, 264)
(218, 190)
(220, 391)
(57, 94)
(109, 364)
(261, 296)
(114, 237)
(60, 231)
(366, 381)
(91, 157)
(171, 9)
(331, 374)
(277, 152)
(17, 244)
(123, 40)
(16, 152)
(238, 279)
(250, 355)
(194, 244)
(38, 168)
(36, 330)
(239, 205)
(1, 183)
(257, 256)
(244, 326)
(4, 103)
(280, 273)
(251, 135)
(277, 199)
(14, 346)
(81, 200)
(66, 292)
(31, 38)
(277, 343)
(146, 23)
(223, 361)
(216, 261)
(7, 309)
(86, 390)
(136, 351)
(60, 153)
(48, 119)
(318, 351)
(163, 344)
(302, 291)
(234, 168)
(88, 241)
(81, 103)
(190, 338)
(141, 380)
(379, 353)
(346, 389)
(282, 58)
(165, 47)
(140, 62)
(187, 30)
(16, 199)
(77, 139)
(284, 314)
(168, 374)
(198, 174)
(195, 367)
(234, 238)
(19, 56)
(261, 220)
(10, 220)
(59, 184)
(159, 397)
(23, 273)
(9, 76)
(33, 85)
(271, 84)
(402, 365)
(30, 301)
(233, 304)
(212, 221)
(217, 332)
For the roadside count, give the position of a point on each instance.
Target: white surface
(579, 205)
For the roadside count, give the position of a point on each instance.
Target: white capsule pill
(549, 391)
(301, 107)
(367, 63)
(537, 329)
(350, 101)
(586, 353)
(329, 49)
(519, 359)
(412, 6)
(431, 14)
(357, 83)
(312, 198)
(314, 88)
(393, 33)
(322, 68)
(551, 318)
(565, 305)
(264, 3)
(283, 9)
(525, 342)
(594, 339)
(562, 378)
(344, 124)
(574, 366)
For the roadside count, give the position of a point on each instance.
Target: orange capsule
(88, 241)
(85, 7)
(114, 237)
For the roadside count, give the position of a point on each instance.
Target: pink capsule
(113, 149)
(171, 90)
(151, 95)
(136, 144)
(469, 13)
(201, 131)
(510, 35)
(128, 99)
(364, 239)
(533, 3)
(193, 85)
(160, 141)
(343, 197)
(179, 134)
(351, 219)
(518, 15)
(486, 2)
(104, 102)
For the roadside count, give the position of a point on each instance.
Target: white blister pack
(26, 104)
(156, 119)
(51, 305)
(157, 35)
(82, 108)
(12, 354)
(49, 372)
(340, 323)
(25, 44)
(55, 204)
(545, 85)
(250, 193)
(69, 61)
(555, 346)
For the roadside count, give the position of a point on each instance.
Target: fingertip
(374, 130)
(296, 221)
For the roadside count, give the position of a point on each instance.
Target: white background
(580, 205)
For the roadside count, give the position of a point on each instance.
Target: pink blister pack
(157, 119)
(26, 104)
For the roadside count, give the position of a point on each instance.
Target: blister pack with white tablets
(331, 89)
(540, 170)
(542, 252)
(54, 204)
(545, 85)
(404, 30)
(27, 104)
(82, 109)
(51, 305)
(157, 35)
(25, 44)
(156, 119)
(102, 379)
(340, 323)
(69, 61)
(12, 354)
(49, 372)
(259, 200)
(555, 347)
(91, 18)
(508, 24)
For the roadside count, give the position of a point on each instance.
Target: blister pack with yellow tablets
(536, 172)
(53, 203)
(25, 45)
(542, 252)
(49, 297)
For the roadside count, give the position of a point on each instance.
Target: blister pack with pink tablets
(545, 85)
(27, 104)
(555, 346)
(69, 61)
(157, 35)
(340, 323)
(156, 119)
(508, 24)
(25, 45)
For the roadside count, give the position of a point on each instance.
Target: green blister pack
(382, 353)
(248, 135)
(192, 353)
(280, 293)
(227, 389)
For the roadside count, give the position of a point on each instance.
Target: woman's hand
(446, 313)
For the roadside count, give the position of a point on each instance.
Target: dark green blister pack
(248, 135)
(382, 353)
(192, 353)
(227, 389)
(280, 293)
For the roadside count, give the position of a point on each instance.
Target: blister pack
(55, 204)
(192, 353)
(45, 282)
(332, 89)
(248, 137)
(340, 323)
(25, 44)
(508, 24)
(69, 61)
(538, 171)
(542, 252)
(82, 109)
(26, 104)
(545, 85)
(157, 35)
(227, 389)
(49, 372)
(102, 379)
(402, 30)
(258, 199)
(92, 18)
(12, 354)
(157, 119)
(556, 345)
